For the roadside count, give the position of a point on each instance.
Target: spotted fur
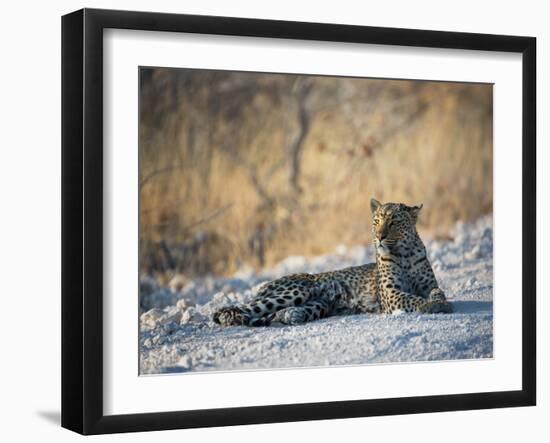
(402, 279)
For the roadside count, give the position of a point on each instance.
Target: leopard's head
(393, 224)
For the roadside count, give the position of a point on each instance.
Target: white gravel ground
(178, 335)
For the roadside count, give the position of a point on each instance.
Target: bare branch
(157, 172)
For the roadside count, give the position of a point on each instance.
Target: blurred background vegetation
(246, 169)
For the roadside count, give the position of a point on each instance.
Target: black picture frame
(82, 220)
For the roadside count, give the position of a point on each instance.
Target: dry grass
(215, 169)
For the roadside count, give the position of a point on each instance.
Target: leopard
(401, 280)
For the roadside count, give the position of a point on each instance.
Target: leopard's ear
(374, 205)
(414, 211)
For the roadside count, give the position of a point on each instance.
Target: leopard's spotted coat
(402, 279)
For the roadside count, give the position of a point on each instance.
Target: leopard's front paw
(230, 316)
(437, 295)
(438, 307)
(437, 303)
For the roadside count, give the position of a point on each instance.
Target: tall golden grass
(214, 161)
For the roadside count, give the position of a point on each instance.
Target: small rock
(172, 316)
(192, 315)
(185, 361)
(234, 297)
(170, 328)
(219, 296)
(149, 319)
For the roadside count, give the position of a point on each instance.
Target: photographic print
(296, 221)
